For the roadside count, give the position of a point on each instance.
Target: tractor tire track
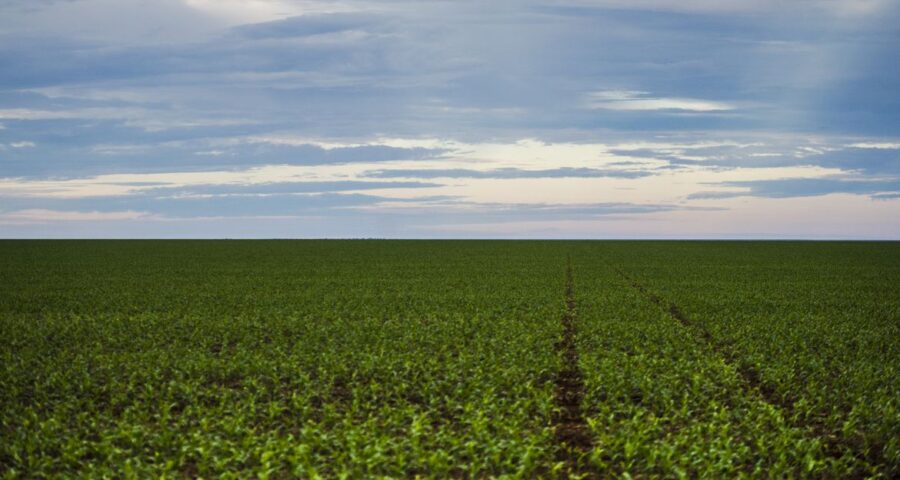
(833, 446)
(569, 425)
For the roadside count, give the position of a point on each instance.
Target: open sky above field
(532, 118)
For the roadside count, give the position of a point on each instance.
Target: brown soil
(571, 429)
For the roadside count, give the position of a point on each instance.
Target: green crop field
(434, 359)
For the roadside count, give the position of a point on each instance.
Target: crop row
(661, 403)
(815, 326)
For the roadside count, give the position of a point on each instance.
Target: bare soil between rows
(569, 425)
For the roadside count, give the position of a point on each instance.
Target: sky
(450, 119)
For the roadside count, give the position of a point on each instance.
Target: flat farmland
(435, 359)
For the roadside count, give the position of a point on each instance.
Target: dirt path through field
(570, 427)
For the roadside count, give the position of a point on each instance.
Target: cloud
(260, 180)
(804, 187)
(867, 158)
(283, 188)
(627, 100)
(329, 204)
(22, 144)
(870, 161)
(493, 211)
(886, 196)
(876, 145)
(82, 157)
(509, 173)
(159, 21)
(535, 109)
(851, 8)
(30, 114)
(37, 215)
(146, 119)
(237, 12)
(308, 25)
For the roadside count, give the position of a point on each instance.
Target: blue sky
(507, 119)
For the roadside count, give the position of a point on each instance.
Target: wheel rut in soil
(571, 429)
(834, 446)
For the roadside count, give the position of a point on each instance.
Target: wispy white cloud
(852, 8)
(238, 12)
(876, 145)
(33, 114)
(118, 150)
(24, 144)
(37, 215)
(145, 119)
(211, 153)
(632, 100)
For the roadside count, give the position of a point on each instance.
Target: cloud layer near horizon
(544, 118)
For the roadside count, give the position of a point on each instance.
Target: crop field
(462, 359)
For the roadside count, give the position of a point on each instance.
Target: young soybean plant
(813, 327)
(395, 359)
(279, 359)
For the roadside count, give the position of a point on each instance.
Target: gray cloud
(807, 187)
(311, 25)
(286, 188)
(80, 157)
(508, 173)
(117, 86)
(867, 161)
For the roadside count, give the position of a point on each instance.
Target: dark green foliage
(813, 328)
(435, 359)
(287, 358)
